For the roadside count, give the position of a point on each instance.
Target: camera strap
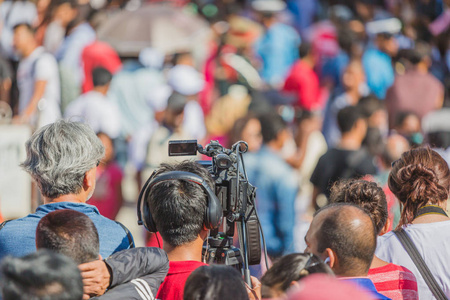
(3, 224)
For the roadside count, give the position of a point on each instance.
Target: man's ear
(90, 178)
(386, 227)
(332, 258)
(100, 257)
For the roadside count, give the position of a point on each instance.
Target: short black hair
(72, 3)
(101, 76)
(368, 105)
(291, 267)
(215, 282)
(28, 26)
(69, 232)
(178, 206)
(354, 245)
(365, 194)
(43, 275)
(347, 118)
(271, 125)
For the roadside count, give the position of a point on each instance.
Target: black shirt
(338, 164)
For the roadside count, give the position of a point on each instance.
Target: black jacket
(136, 273)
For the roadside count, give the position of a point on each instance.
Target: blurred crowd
(320, 90)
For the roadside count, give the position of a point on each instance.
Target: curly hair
(420, 177)
(365, 194)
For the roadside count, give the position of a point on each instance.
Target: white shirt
(433, 243)
(40, 65)
(97, 111)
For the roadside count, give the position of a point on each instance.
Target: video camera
(237, 197)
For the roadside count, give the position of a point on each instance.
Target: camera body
(233, 190)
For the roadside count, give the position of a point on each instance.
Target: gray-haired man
(62, 158)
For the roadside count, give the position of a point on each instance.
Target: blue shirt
(17, 238)
(367, 284)
(379, 71)
(276, 192)
(278, 49)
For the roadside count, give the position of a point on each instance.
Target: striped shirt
(395, 282)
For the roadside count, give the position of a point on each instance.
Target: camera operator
(62, 158)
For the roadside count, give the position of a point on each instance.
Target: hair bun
(420, 184)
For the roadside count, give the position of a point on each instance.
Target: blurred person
(303, 80)
(13, 12)
(98, 54)
(6, 81)
(436, 128)
(377, 62)
(37, 79)
(393, 281)
(215, 282)
(108, 197)
(125, 274)
(286, 273)
(420, 180)
(170, 128)
(408, 125)
(278, 46)
(186, 81)
(247, 129)
(354, 82)
(416, 91)
(78, 35)
(62, 159)
(277, 186)
(324, 287)
(96, 108)
(345, 236)
(43, 275)
(393, 148)
(131, 87)
(348, 159)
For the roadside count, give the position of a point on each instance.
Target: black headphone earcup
(213, 213)
(147, 218)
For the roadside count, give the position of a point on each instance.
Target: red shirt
(173, 286)
(395, 282)
(305, 83)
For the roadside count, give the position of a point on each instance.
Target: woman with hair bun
(421, 181)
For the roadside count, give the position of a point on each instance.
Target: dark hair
(304, 49)
(235, 133)
(402, 116)
(421, 51)
(419, 177)
(69, 232)
(72, 3)
(354, 245)
(369, 105)
(26, 25)
(43, 275)
(291, 267)
(101, 76)
(365, 194)
(215, 282)
(271, 125)
(347, 118)
(177, 206)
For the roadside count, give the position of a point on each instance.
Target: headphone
(213, 213)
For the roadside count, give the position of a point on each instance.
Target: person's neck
(308, 61)
(353, 96)
(350, 142)
(377, 263)
(101, 89)
(27, 52)
(421, 68)
(191, 251)
(79, 198)
(274, 146)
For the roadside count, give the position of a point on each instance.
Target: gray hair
(59, 155)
